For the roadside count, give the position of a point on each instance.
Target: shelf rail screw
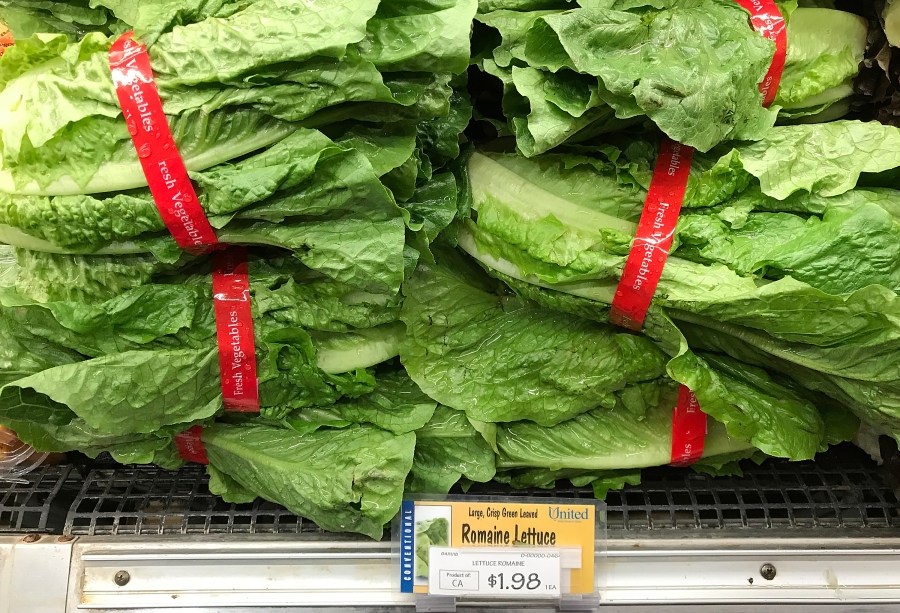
(767, 571)
(122, 578)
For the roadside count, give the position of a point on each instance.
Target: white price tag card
(514, 573)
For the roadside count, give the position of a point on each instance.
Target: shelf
(271, 573)
(829, 529)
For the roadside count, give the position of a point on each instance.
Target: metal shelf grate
(34, 503)
(842, 489)
(140, 500)
(846, 493)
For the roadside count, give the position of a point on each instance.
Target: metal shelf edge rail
(34, 573)
(275, 573)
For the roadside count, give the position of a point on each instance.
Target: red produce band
(185, 219)
(166, 174)
(656, 229)
(190, 446)
(237, 349)
(234, 330)
(768, 21)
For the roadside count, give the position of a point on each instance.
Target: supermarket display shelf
(841, 490)
(109, 538)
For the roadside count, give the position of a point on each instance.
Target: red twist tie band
(166, 173)
(190, 445)
(688, 429)
(655, 231)
(768, 21)
(234, 330)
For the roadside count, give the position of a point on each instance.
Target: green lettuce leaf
(448, 448)
(396, 405)
(809, 281)
(306, 193)
(604, 439)
(345, 480)
(74, 18)
(474, 347)
(148, 358)
(570, 73)
(499, 358)
(381, 62)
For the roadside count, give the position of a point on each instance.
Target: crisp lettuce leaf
(74, 17)
(323, 63)
(345, 480)
(604, 439)
(449, 448)
(571, 72)
(809, 280)
(825, 47)
(502, 359)
(475, 348)
(396, 405)
(148, 358)
(306, 193)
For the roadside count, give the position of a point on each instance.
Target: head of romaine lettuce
(779, 259)
(570, 72)
(225, 92)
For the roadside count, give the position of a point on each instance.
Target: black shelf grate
(845, 494)
(146, 500)
(842, 489)
(37, 501)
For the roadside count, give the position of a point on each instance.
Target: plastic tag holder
(578, 529)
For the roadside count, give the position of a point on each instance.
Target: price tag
(498, 547)
(498, 572)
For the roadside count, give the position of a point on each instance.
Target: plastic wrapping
(16, 458)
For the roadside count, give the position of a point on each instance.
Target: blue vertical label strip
(407, 546)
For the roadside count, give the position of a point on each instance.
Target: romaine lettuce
(572, 72)
(778, 261)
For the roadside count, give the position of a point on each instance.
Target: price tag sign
(501, 572)
(510, 548)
